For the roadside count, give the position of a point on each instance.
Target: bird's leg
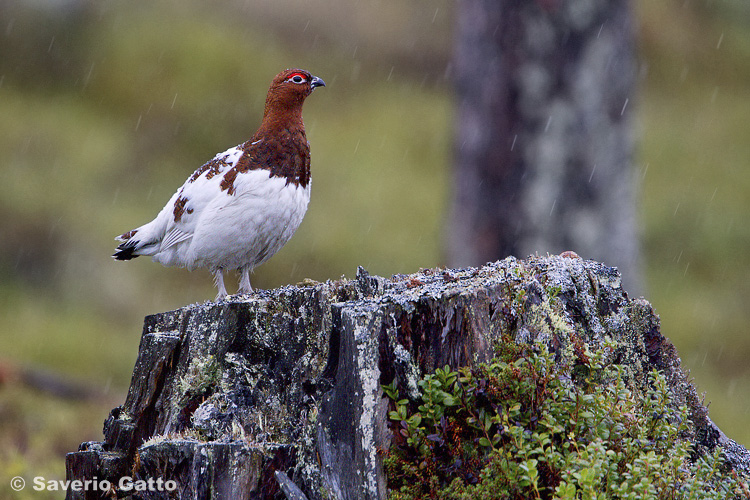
(245, 281)
(219, 283)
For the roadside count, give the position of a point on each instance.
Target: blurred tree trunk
(543, 144)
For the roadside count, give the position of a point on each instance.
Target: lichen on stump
(226, 394)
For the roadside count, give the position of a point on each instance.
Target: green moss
(201, 379)
(521, 427)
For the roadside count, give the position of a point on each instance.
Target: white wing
(164, 237)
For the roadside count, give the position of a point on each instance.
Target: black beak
(317, 82)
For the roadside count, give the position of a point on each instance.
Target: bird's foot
(245, 288)
(219, 282)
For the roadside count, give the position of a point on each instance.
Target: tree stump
(279, 394)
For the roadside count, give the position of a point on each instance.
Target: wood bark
(544, 140)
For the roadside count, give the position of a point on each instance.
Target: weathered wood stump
(278, 395)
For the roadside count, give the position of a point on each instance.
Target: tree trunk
(543, 144)
(279, 394)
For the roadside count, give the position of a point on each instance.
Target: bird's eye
(297, 78)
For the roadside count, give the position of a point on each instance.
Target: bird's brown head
(290, 88)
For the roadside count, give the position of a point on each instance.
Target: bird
(238, 209)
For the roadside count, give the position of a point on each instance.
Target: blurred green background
(108, 106)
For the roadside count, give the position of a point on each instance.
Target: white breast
(246, 228)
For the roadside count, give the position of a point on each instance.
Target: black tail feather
(125, 251)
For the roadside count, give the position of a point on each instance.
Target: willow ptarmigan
(240, 208)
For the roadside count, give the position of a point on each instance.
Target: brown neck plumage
(283, 111)
(275, 123)
(279, 146)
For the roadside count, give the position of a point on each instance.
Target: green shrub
(520, 427)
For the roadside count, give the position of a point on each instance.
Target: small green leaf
(487, 421)
(415, 420)
(449, 400)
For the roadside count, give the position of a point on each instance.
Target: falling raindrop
(622, 111)
(88, 75)
(714, 94)
(731, 387)
(721, 38)
(514, 142)
(549, 121)
(26, 145)
(173, 101)
(683, 73)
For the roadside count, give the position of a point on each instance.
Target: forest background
(106, 107)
